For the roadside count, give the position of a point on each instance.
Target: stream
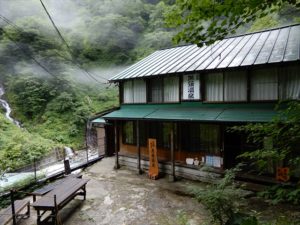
(7, 108)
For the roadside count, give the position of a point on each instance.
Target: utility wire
(68, 47)
(29, 55)
(19, 29)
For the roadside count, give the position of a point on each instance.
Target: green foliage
(277, 141)
(18, 147)
(282, 193)
(209, 21)
(223, 200)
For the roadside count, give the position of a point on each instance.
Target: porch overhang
(192, 111)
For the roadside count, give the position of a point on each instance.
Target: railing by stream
(50, 166)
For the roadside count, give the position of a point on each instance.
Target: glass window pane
(235, 86)
(139, 89)
(171, 89)
(128, 92)
(128, 132)
(289, 82)
(210, 138)
(264, 84)
(214, 87)
(156, 88)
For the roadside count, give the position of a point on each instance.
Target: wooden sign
(153, 162)
(283, 174)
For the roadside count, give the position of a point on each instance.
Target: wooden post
(138, 147)
(12, 199)
(67, 167)
(117, 165)
(55, 211)
(172, 177)
(34, 164)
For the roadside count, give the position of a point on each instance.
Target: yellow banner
(153, 162)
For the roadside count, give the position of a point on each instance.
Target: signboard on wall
(191, 87)
(283, 174)
(153, 162)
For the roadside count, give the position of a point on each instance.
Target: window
(156, 90)
(197, 137)
(289, 82)
(128, 91)
(161, 132)
(139, 91)
(191, 87)
(229, 87)
(128, 134)
(214, 87)
(171, 89)
(134, 91)
(264, 85)
(235, 86)
(210, 138)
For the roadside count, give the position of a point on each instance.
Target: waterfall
(6, 106)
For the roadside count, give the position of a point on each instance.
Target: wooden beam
(172, 178)
(138, 147)
(117, 165)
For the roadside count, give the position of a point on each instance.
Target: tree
(210, 20)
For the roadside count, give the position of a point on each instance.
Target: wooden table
(56, 199)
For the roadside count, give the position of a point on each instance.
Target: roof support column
(117, 165)
(172, 176)
(138, 147)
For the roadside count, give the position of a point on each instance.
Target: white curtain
(171, 89)
(235, 86)
(139, 91)
(128, 92)
(214, 87)
(156, 87)
(264, 84)
(290, 82)
(191, 87)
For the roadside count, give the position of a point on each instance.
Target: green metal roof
(99, 120)
(196, 111)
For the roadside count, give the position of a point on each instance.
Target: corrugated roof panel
(196, 112)
(267, 49)
(276, 45)
(252, 55)
(247, 115)
(174, 60)
(244, 51)
(177, 60)
(158, 63)
(136, 65)
(184, 61)
(228, 59)
(186, 114)
(280, 45)
(208, 52)
(215, 54)
(224, 54)
(149, 64)
(293, 45)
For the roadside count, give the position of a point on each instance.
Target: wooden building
(187, 97)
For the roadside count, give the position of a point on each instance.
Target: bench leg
(84, 192)
(34, 198)
(38, 220)
(28, 210)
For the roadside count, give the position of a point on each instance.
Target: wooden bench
(55, 200)
(49, 187)
(6, 215)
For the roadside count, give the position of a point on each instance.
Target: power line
(29, 55)
(19, 29)
(68, 47)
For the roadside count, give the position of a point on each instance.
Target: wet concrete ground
(122, 197)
